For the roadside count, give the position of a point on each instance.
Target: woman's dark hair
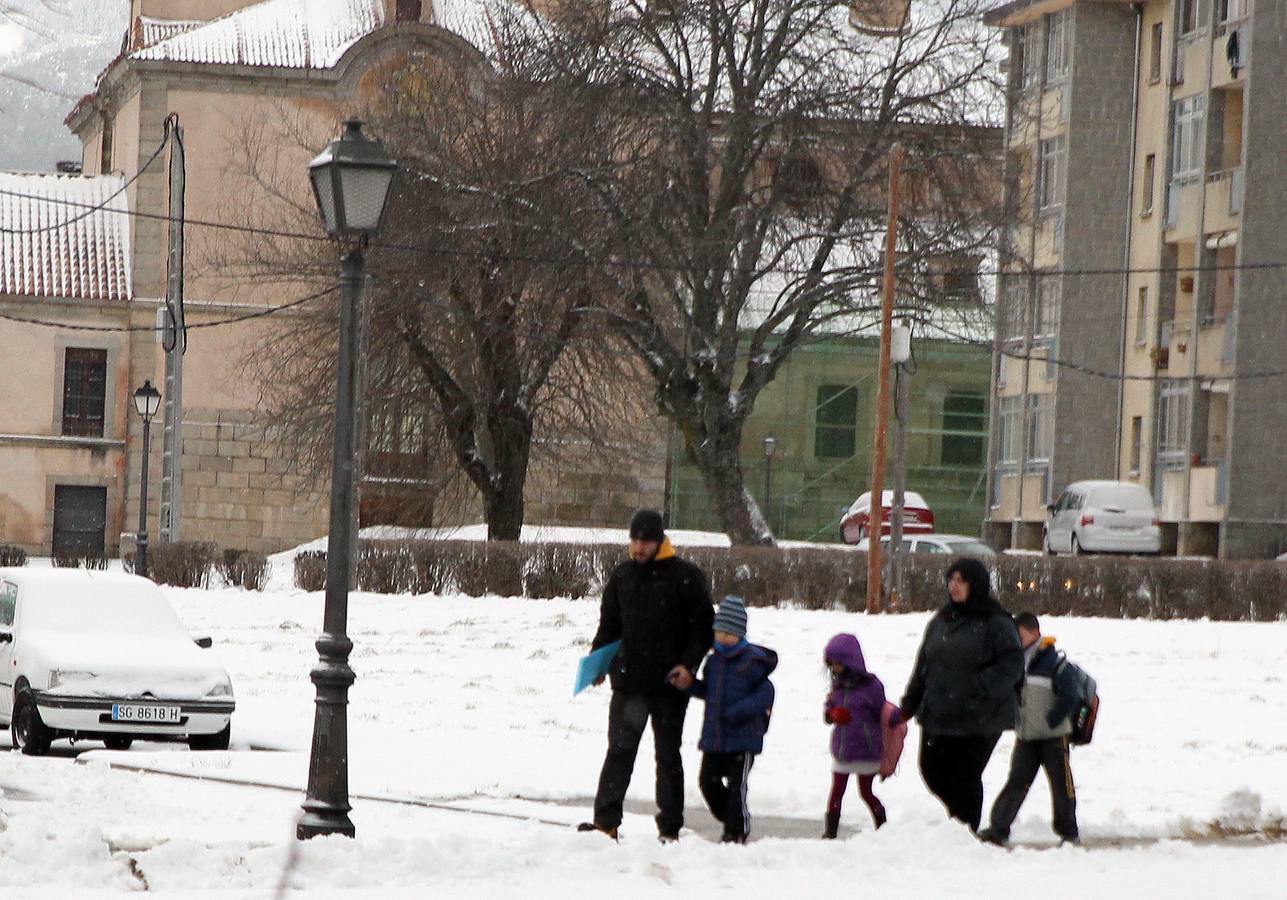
(974, 574)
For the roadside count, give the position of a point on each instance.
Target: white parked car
(1102, 517)
(103, 656)
(952, 544)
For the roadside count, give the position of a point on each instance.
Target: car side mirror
(6, 637)
(205, 642)
(1050, 507)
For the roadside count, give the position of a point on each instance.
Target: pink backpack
(893, 736)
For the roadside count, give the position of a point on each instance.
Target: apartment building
(1141, 303)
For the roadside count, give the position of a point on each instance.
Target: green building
(821, 413)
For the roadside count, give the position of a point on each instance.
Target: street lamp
(770, 447)
(351, 180)
(147, 400)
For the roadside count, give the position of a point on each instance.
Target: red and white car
(918, 518)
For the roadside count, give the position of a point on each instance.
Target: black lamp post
(147, 400)
(770, 447)
(351, 180)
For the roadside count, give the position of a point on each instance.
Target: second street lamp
(147, 400)
(351, 180)
(770, 447)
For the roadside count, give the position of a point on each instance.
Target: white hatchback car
(951, 544)
(101, 655)
(1102, 517)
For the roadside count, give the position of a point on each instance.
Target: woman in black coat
(964, 689)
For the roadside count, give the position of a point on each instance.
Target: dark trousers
(723, 783)
(627, 715)
(839, 780)
(1028, 756)
(952, 767)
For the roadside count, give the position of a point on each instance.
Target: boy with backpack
(739, 701)
(1050, 699)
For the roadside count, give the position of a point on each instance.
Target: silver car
(1102, 517)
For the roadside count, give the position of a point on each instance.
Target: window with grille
(1041, 427)
(1058, 44)
(396, 439)
(1137, 437)
(1052, 172)
(1189, 121)
(1141, 318)
(1045, 314)
(1014, 309)
(836, 424)
(1172, 421)
(84, 391)
(1028, 50)
(1009, 430)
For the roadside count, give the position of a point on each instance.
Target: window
(1189, 119)
(8, 603)
(836, 430)
(1009, 430)
(1150, 175)
(1041, 427)
(800, 179)
(396, 440)
(1141, 318)
(1051, 174)
(954, 278)
(1155, 55)
(1173, 421)
(1058, 29)
(965, 420)
(1137, 431)
(84, 391)
(1232, 10)
(105, 151)
(1013, 309)
(1045, 314)
(1192, 15)
(1028, 48)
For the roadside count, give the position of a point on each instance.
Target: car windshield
(95, 608)
(970, 548)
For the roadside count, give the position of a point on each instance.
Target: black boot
(831, 826)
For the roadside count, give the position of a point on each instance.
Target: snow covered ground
(464, 707)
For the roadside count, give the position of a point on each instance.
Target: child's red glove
(838, 715)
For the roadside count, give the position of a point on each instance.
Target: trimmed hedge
(822, 578)
(244, 569)
(71, 559)
(12, 556)
(182, 563)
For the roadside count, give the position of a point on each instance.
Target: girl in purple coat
(853, 710)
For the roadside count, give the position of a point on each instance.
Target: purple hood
(845, 649)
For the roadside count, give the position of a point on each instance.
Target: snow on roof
(294, 34)
(149, 31)
(54, 243)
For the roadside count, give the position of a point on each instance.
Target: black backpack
(1086, 711)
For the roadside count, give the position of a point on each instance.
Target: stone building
(1145, 194)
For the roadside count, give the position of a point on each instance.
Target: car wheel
(1045, 544)
(30, 735)
(1076, 547)
(118, 742)
(217, 741)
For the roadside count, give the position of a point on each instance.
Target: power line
(625, 263)
(257, 314)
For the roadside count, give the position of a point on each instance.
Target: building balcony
(1182, 201)
(1206, 487)
(1035, 489)
(1224, 200)
(1229, 54)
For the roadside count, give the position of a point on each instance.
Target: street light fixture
(351, 180)
(147, 400)
(770, 447)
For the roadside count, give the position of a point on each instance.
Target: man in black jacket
(659, 607)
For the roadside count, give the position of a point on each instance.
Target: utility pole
(174, 340)
(900, 354)
(876, 516)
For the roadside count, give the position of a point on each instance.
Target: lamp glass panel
(365, 190)
(324, 187)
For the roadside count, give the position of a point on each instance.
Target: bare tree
(482, 350)
(747, 208)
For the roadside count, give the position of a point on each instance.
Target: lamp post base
(321, 818)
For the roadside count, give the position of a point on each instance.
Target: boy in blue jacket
(739, 700)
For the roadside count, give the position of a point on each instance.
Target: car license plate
(145, 712)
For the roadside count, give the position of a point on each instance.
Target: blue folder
(594, 666)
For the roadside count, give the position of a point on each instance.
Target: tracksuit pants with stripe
(723, 780)
(1028, 757)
